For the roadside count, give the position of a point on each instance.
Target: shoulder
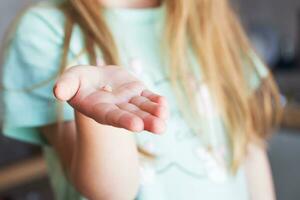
(34, 45)
(42, 28)
(41, 20)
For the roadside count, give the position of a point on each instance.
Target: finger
(151, 123)
(110, 114)
(154, 97)
(153, 108)
(66, 86)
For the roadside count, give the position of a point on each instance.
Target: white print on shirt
(136, 66)
(214, 163)
(147, 174)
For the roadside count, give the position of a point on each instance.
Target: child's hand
(112, 96)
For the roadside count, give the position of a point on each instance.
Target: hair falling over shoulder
(211, 29)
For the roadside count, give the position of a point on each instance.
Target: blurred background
(274, 29)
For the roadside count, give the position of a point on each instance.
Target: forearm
(259, 175)
(105, 164)
(100, 161)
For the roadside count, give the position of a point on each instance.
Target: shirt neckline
(135, 15)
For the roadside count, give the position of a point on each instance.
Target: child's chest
(199, 155)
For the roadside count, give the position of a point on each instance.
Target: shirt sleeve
(30, 66)
(256, 73)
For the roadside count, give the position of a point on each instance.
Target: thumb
(66, 86)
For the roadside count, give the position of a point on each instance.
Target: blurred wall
(280, 14)
(8, 10)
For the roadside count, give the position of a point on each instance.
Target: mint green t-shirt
(184, 167)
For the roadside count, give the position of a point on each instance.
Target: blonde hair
(213, 32)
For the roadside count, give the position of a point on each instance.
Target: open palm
(112, 96)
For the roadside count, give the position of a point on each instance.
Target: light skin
(98, 150)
